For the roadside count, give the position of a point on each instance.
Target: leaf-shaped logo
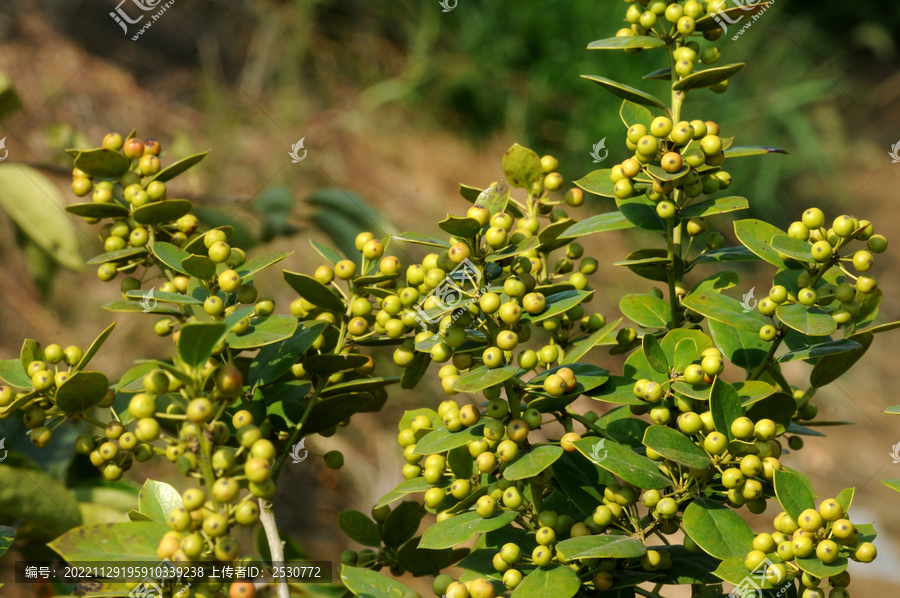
(595, 153)
(447, 6)
(748, 298)
(894, 154)
(148, 302)
(3, 147)
(295, 451)
(3, 448)
(894, 455)
(295, 149)
(598, 453)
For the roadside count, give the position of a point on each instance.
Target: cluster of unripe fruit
(676, 21)
(825, 534)
(825, 247)
(144, 155)
(695, 144)
(41, 414)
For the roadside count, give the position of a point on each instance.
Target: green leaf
(314, 291)
(811, 321)
(557, 304)
(721, 205)
(625, 463)
(254, 265)
(164, 297)
(718, 530)
(275, 360)
(7, 535)
(641, 211)
(622, 43)
(845, 498)
(359, 528)
(618, 389)
(30, 352)
(701, 79)
(752, 150)
(460, 226)
(34, 203)
(664, 175)
(369, 584)
(632, 114)
(604, 547)
(521, 167)
(199, 267)
(652, 264)
(675, 446)
(128, 542)
(12, 373)
(756, 235)
(456, 530)
(102, 163)
(582, 347)
(741, 347)
(532, 462)
(646, 310)
(555, 581)
(495, 198)
(421, 562)
(793, 493)
(511, 250)
(460, 462)
(625, 92)
(157, 499)
(821, 570)
(654, 354)
(38, 500)
(198, 340)
(121, 254)
(716, 306)
(726, 255)
(443, 440)
(792, 248)
(264, 331)
(598, 183)
(892, 483)
(402, 523)
(685, 353)
(736, 573)
(415, 371)
(138, 307)
(98, 210)
(581, 480)
(628, 431)
(327, 252)
(81, 391)
(725, 405)
(717, 282)
(589, 377)
(599, 223)
(171, 256)
(421, 239)
(328, 363)
(832, 367)
(820, 350)
(162, 211)
(481, 378)
(173, 170)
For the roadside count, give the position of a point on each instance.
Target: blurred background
(397, 103)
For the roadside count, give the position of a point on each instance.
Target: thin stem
(765, 362)
(295, 433)
(670, 254)
(647, 593)
(276, 547)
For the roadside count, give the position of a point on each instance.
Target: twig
(276, 548)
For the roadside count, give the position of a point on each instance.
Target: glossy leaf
(95, 347)
(625, 463)
(654, 354)
(12, 373)
(757, 235)
(736, 573)
(369, 584)
(821, 570)
(820, 350)
(721, 205)
(646, 310)
(102, 163)
(559, 303)
(752, 150)
(98, 210)
(707, 77)
(264, 331)
(157, 499)
(521, 167)
(675, 446)
(359, 528)
(810, 321)
(456, 530)
(443, 440)
(173, 170)
(652, 264)
(162, 211)
(718, 530)
(743, 348)
(625, 92)
(314, 291)
(274, 360)
(121, 254)
(556, 581)
(793, 493)
(581, 480)
(402, 523)
(832, 367)
(171, 256)
(511, 250)
(632, 114)
(197, 341)
(261, 262)
(727, 255)
(7, 535)
(460, 227)
(495, 198)
(479, 379)
(725, 405)
(717, 282)
(532, 462)
(421, 239)
(641, 211)
(600, 337)
(199, 266)
(81, 391)
(685, 353)
(618, 389)
(716, 306)
(598, 183)
(602, 546)
(622, 43)
(599, 223)
(175, 298)
(664, 175)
